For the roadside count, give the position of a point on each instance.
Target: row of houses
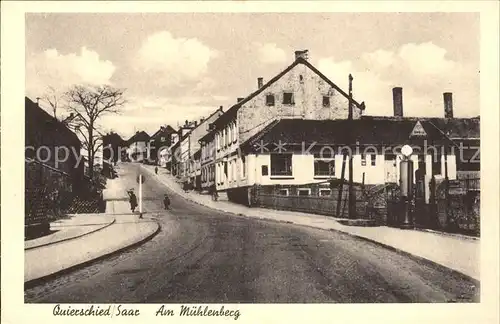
(294, 129)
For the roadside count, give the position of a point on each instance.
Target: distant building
(113, 147)
(160, 142)
(137, 147)
(187, 167)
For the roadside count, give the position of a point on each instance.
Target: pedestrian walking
(166, 202)
(132, 200)
(156, 170)
(215, 195)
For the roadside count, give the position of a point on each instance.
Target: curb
(413, 256)
(70, 238)
(389, 247)
(35, 282)
(460, 236)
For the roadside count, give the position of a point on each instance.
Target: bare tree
(89, 104)
(52, 99)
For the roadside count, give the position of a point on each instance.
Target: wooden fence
(51, 193)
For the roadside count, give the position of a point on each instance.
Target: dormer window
(288, 98)
(326, 101)
(270, 100)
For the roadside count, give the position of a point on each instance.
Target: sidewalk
(125, 231)
(454, 252)
(70, 228)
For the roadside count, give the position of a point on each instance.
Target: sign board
(143, 178)
(418, 130)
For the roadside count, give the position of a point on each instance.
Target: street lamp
(406, 185)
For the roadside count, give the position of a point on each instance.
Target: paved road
(203, 256)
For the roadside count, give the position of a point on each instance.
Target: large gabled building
(300, 91)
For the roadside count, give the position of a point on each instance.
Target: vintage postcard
(201, 161)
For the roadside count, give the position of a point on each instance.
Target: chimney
(260, 82)
(185, 123)
(448, 105)
(220, 108)
(304, 54)
(195, 123)
(240, 99)
(397, 98)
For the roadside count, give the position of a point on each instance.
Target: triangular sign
(418, 130)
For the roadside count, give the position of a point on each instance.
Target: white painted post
(140, 194)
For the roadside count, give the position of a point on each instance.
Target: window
(325, 192)
(326, 101)
(363, 159)
(235, 133)
(288, 98)
(304, 191)
(436, 164)
(264, 170)
(283, 192)
(162, 139)
(225, 171)
(225, 137)
(281, 164)
(391, 157)
(373, 159)
(270, 100)
(301, 78)
(243, 167)
(323, 166)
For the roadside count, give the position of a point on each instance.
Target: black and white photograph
(200, 161)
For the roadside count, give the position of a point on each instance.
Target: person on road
(166, 202)
(132, 200)
(215, 195)
(156, 170)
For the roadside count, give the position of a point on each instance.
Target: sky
(183, 66)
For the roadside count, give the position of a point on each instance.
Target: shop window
(270, 100)
(304, 191)
(281, 164)
(288, 98)
(283, 192)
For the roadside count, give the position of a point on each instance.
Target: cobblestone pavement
(202, 255)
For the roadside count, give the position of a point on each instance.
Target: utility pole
(341, 185)
(140, 195)
(352, 197)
